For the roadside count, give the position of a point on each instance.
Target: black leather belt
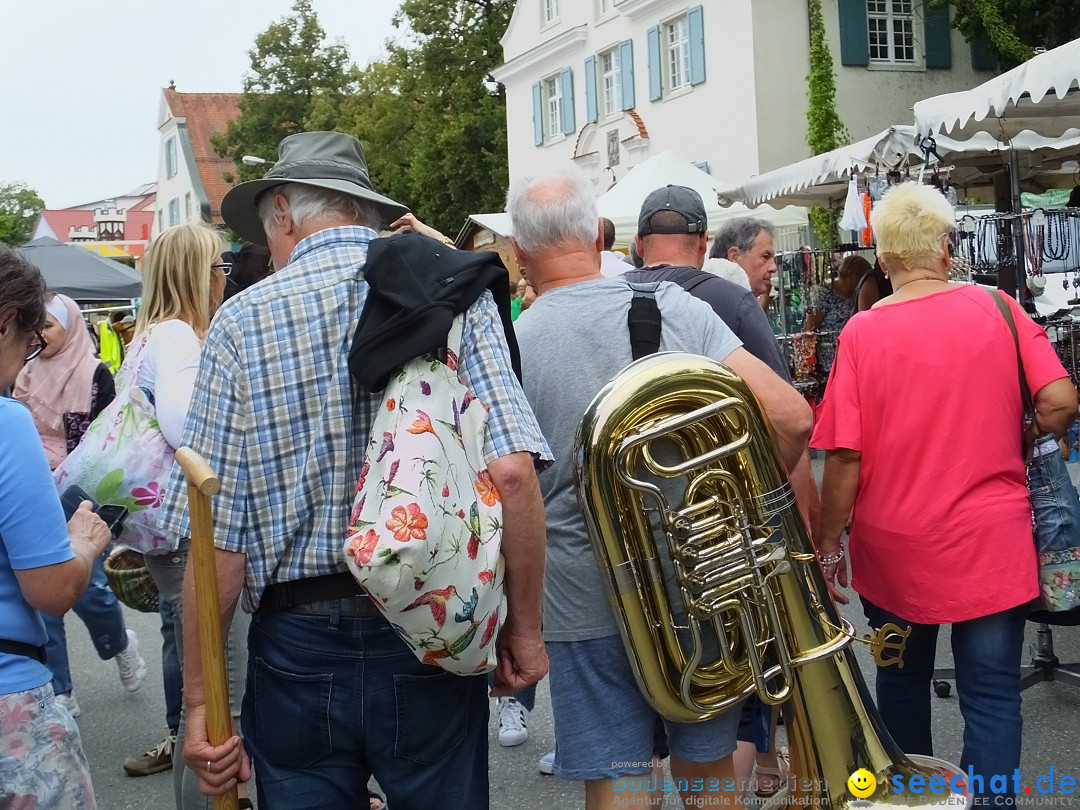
(22, 648)
(301, 593)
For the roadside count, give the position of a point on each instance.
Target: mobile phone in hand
(113, 515)
(72, 497)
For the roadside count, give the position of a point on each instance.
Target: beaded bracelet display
(831, 559)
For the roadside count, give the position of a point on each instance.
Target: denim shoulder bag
(1055, 504)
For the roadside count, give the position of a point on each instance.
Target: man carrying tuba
(574, 339)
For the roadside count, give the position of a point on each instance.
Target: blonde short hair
(176, 277)
(909, 224)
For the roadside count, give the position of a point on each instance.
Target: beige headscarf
(53, 386)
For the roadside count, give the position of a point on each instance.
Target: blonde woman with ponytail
(183, 286)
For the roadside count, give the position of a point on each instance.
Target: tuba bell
(713, 579)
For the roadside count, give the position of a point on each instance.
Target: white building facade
(722, 83)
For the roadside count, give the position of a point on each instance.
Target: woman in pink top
(922, 420)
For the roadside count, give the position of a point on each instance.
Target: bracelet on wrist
(831, 559)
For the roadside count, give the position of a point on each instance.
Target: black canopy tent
(81, 274)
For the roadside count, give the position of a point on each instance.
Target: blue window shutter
(656, 84)
(982, 53)
(938, 38)
(538, 115)
(695, 18)
(854, 39)
(568, 124)
(626, 73)
(591, 111)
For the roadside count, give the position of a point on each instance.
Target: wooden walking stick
(202, 484)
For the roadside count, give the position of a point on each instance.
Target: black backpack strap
(644, 321)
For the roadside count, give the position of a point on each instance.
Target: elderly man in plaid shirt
(334, 695)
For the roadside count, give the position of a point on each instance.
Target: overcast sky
(80, 82)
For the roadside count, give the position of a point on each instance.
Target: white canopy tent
(1015, 102)
(971, 165)
(622, 202)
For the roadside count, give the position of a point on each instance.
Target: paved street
(115, 724)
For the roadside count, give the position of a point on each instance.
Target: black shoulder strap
(22, 648)
(689, 277)
(644, 321)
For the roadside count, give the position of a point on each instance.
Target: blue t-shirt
(33, 534)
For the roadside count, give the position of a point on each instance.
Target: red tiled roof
(147, 203)
(207, 114)
(61, 220)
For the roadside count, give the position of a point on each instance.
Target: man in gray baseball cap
(680, 208)
(278, 417)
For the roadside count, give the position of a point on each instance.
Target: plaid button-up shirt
(273, 411)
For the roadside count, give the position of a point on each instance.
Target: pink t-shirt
(927, 391)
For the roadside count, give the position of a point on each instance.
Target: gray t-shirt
(574, 340)
(738, 307)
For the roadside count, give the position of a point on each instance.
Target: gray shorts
(605, 728)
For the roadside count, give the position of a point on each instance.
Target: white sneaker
(131, 665)
(69, 702)
(547, 763)
(512, 730)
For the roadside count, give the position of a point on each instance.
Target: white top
(168, 370)
(612, 264)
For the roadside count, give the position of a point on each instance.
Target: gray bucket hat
(330, 160)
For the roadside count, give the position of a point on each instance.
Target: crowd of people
(326, 694)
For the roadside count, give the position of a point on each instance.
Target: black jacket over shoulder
(416, 287)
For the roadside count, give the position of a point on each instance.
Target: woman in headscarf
(65, 388)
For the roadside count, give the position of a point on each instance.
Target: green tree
(825, 131)
(19, 209)
(296, 76)
(435, 135)
(1015, 28)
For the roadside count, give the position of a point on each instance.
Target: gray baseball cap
(330, 160)
(682, 200)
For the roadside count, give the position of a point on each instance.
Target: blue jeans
(986, 652)
(332, 700)
(167, 571)
(1054, 501)
(100, 611)
(170, 665)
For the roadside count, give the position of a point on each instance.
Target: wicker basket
(130, 581)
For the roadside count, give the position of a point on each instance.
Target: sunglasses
(37, 347)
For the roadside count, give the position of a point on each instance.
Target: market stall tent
(971, 165)
(1040, 96)
(622, 202)
(81, 274)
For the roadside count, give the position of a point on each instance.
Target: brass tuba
(717, 592)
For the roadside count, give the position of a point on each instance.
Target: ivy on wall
(974, 17)
(825, 131)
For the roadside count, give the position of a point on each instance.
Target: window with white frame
(891, 29)
(174, 211)
(609, 81)
(553, 107)
(604, 7)
(676, 44)
(551, 10)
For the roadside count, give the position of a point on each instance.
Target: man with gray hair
(749, 243)
(604, 726)
(276, 415)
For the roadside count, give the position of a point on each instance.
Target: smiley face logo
(862, 783)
